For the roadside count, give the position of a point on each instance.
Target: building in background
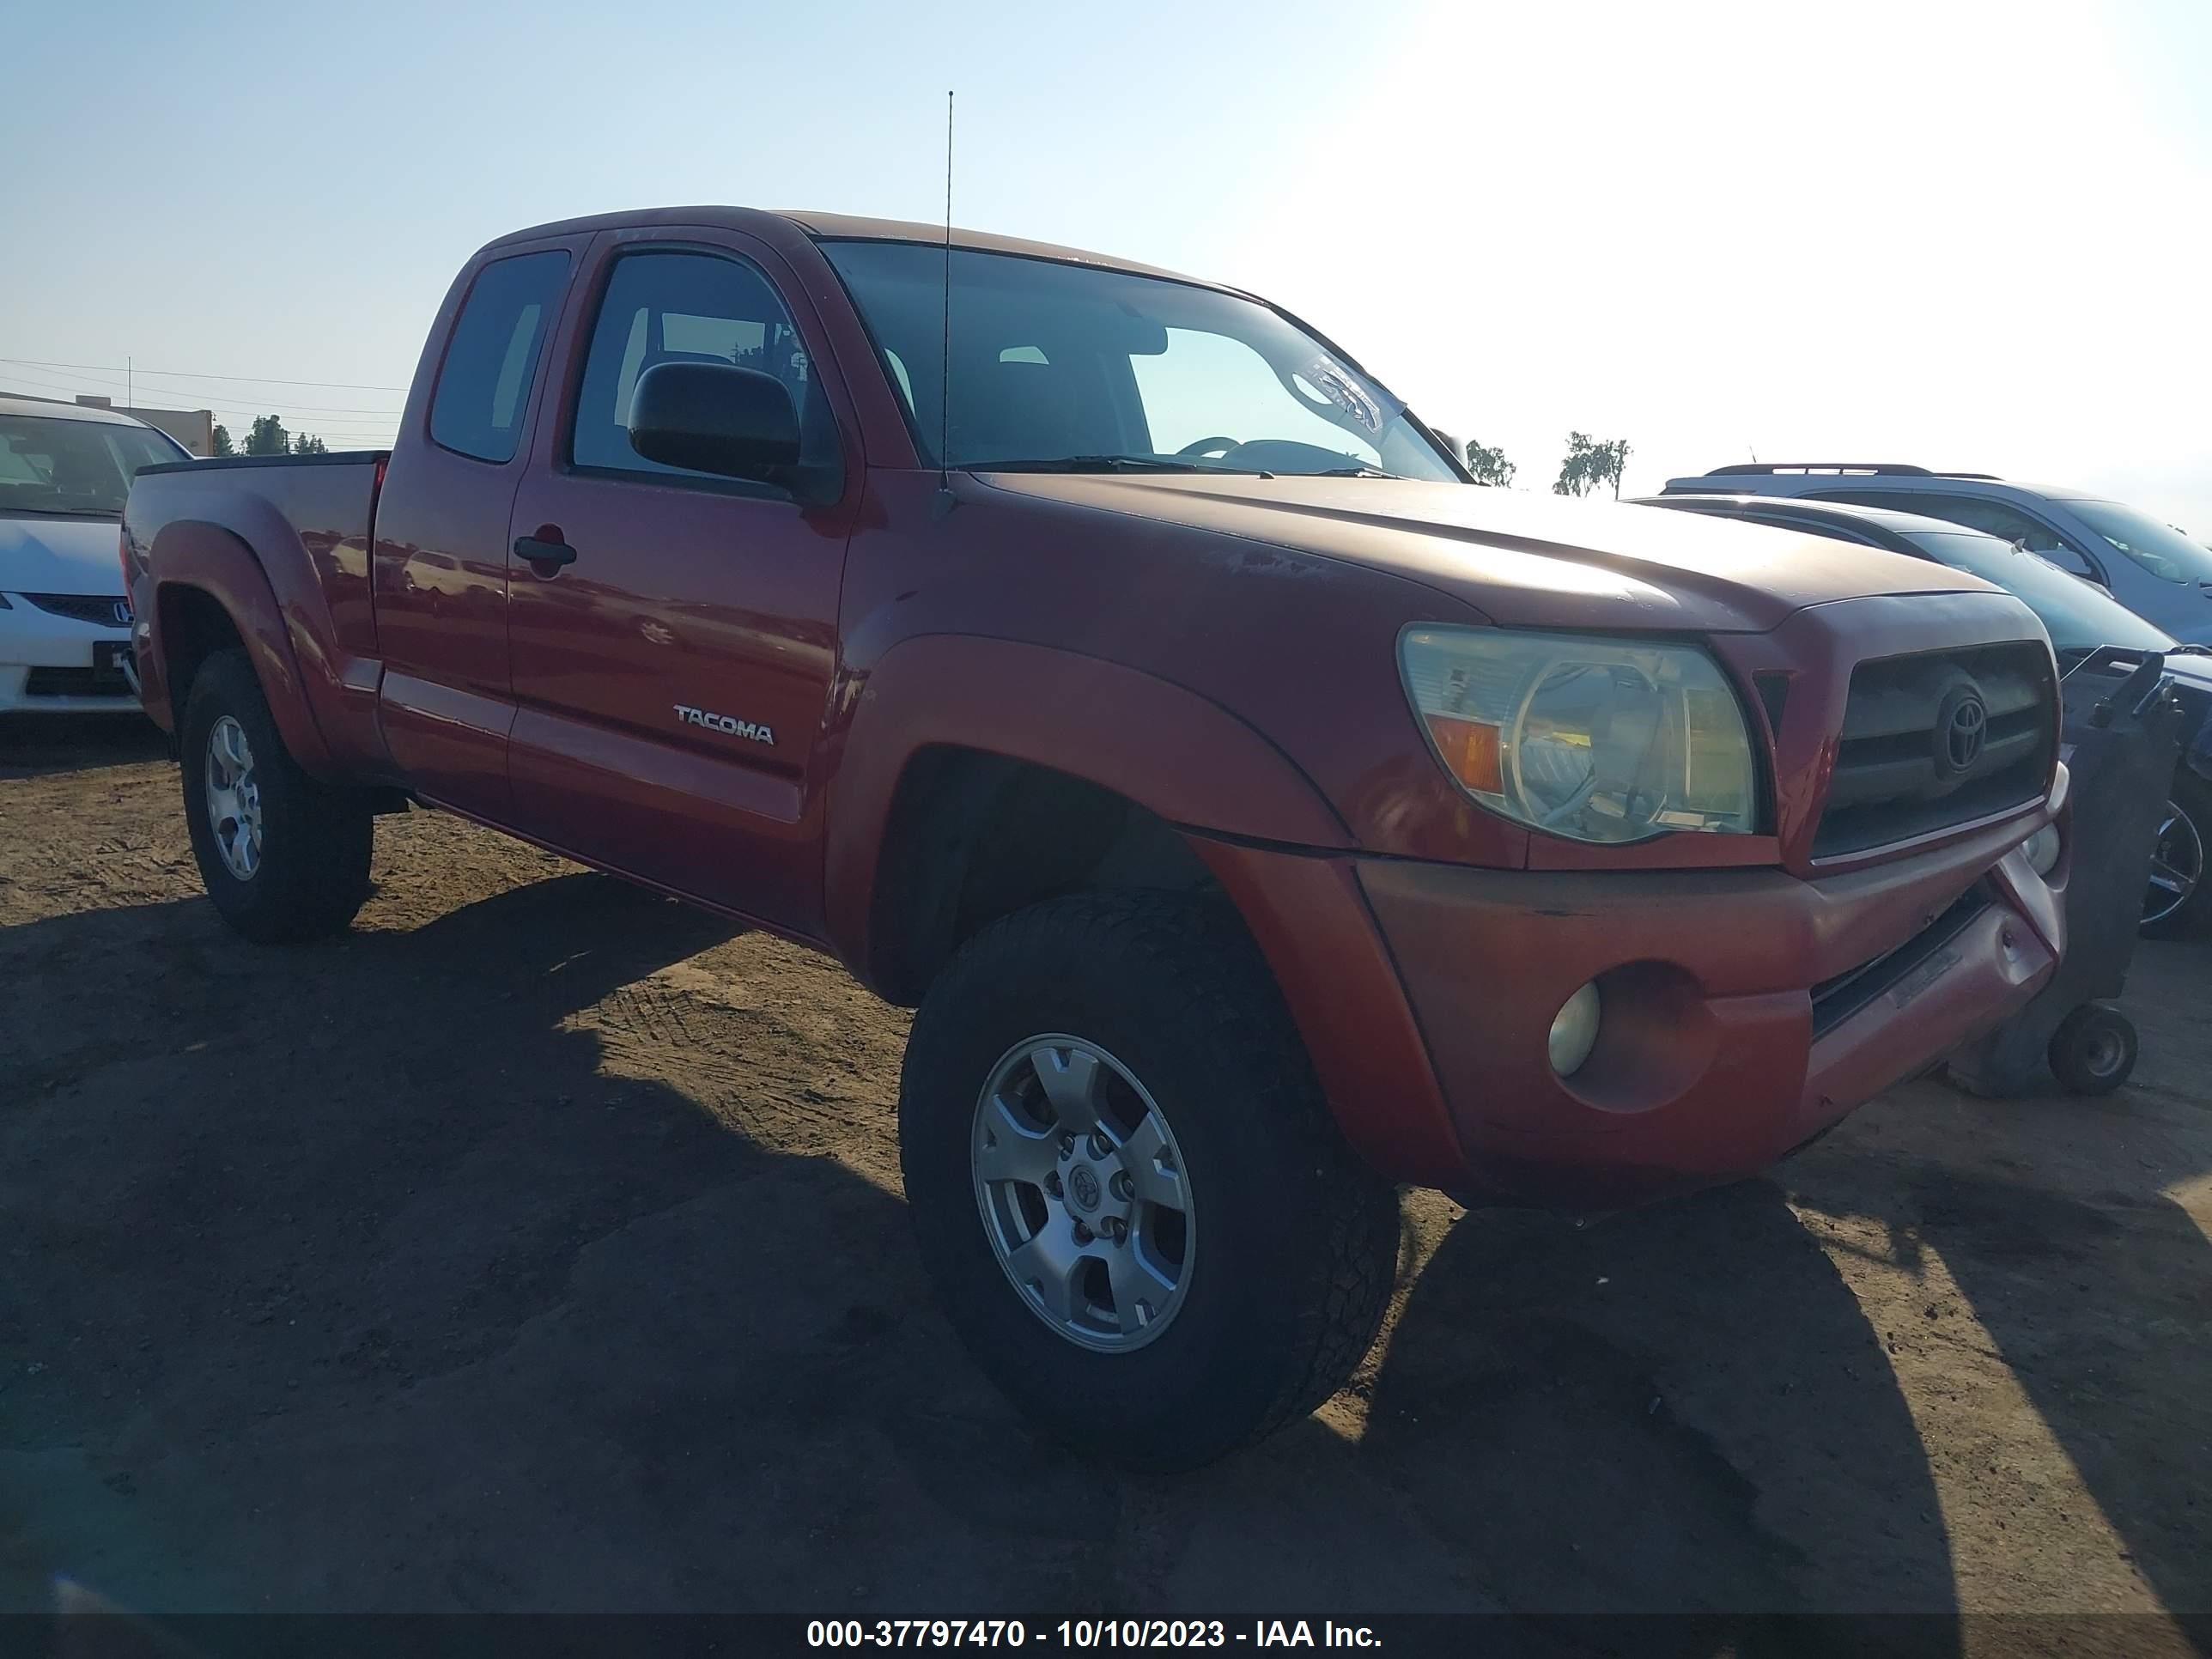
(192, 428)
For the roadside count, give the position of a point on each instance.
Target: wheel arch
(972, 835)
(976, 775)
(213, 592)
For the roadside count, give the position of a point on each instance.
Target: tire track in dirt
(755, 1056)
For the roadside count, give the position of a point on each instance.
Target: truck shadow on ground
(352, 1277)
(1678, 1410)
(355, 1278)
(2098, 1303)
(46, 745)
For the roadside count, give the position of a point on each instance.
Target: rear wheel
(2179, 901)
(284, 857)
(1134, 1204)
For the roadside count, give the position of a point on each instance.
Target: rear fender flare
(195, 554)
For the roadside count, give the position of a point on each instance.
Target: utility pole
(129, 382)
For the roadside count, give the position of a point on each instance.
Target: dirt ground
(539, 1245)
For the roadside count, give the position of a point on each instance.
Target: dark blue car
(2149, 567)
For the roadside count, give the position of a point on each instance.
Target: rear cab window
(484, 384)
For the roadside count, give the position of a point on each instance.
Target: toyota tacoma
(1257, 814)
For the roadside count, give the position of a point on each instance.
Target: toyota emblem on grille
(1961, 728)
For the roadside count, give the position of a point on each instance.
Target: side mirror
(715, 417)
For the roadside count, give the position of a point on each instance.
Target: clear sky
(1963, 233)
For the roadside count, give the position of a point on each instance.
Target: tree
(1489, 466)
(268, 437)
(306, 444)
(1591, 462)
(221, 445)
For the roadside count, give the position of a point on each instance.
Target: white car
(64, 628)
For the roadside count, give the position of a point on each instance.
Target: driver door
(673, 633)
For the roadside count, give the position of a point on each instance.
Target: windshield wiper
(1106, 463)
(1355, 473)
(9, 507)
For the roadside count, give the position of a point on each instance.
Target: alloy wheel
(2176, 865)
(1082, 1192)
(233, 797)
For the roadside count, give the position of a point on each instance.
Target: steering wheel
(1214, 447)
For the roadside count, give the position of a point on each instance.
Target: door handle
(543, 552)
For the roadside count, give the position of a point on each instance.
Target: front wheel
(284, 857)
(1127, 1187)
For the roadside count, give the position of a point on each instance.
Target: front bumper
(47, 662)
(1744, 1011)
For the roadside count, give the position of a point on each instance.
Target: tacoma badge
(736, 728)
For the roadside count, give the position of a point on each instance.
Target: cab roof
(841, 227)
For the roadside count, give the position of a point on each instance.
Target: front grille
(1937, 739)
(1835, 1000)
(84, 608)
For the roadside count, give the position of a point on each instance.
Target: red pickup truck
(1257, 813)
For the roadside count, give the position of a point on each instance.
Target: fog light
(1574, 1030)
(2043, 849)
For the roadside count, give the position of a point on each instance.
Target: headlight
(1599, 739)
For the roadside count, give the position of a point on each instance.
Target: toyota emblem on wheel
(1083, 1188)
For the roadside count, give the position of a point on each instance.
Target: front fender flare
(1173, 752)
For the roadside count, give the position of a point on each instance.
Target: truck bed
(329, 501)
(186, 518)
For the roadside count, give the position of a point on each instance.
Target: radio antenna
(944, 365)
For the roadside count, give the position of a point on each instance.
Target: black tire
(2189, 841)
(1294, 1243)
(2094, 1050)
(312, 871)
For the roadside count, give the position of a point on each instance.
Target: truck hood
(59, 556)
(1522, 560)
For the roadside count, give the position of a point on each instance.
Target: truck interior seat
(1020, 411)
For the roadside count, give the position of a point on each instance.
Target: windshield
(2158, 548)
(2077, 615)
(49, 465)
(1070, 367)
